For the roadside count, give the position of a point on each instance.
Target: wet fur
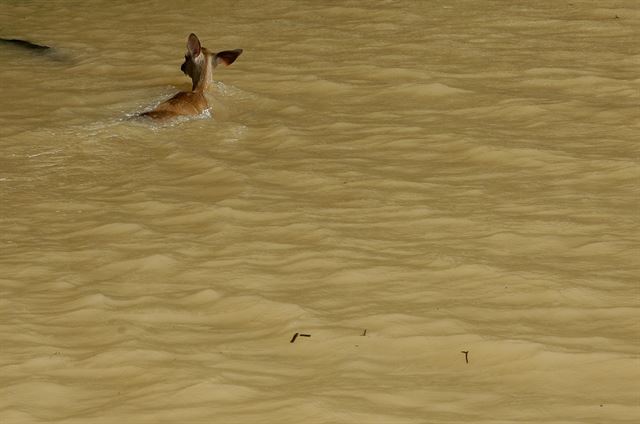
(198, 64)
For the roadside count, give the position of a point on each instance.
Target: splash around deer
(199, 64)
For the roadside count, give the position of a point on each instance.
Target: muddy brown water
(449, 176)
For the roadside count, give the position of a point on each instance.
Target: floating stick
(295, 336)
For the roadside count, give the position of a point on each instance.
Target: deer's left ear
(226, 57)
(193, 45)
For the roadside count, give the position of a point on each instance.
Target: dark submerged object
(25, 44)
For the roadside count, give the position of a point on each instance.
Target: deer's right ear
(193, 45)
(226, 57)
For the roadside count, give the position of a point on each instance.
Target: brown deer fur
(198, 64)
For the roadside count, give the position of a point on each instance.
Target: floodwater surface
(442, 195)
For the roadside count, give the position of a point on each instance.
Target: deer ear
(226, 57)
(193, 45)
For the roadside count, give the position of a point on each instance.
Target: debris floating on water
(295, 336)
(24, 43)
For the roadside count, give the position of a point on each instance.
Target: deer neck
(202, 77)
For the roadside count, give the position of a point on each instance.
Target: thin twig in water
(295, 336)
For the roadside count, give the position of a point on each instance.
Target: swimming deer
(198, 64)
